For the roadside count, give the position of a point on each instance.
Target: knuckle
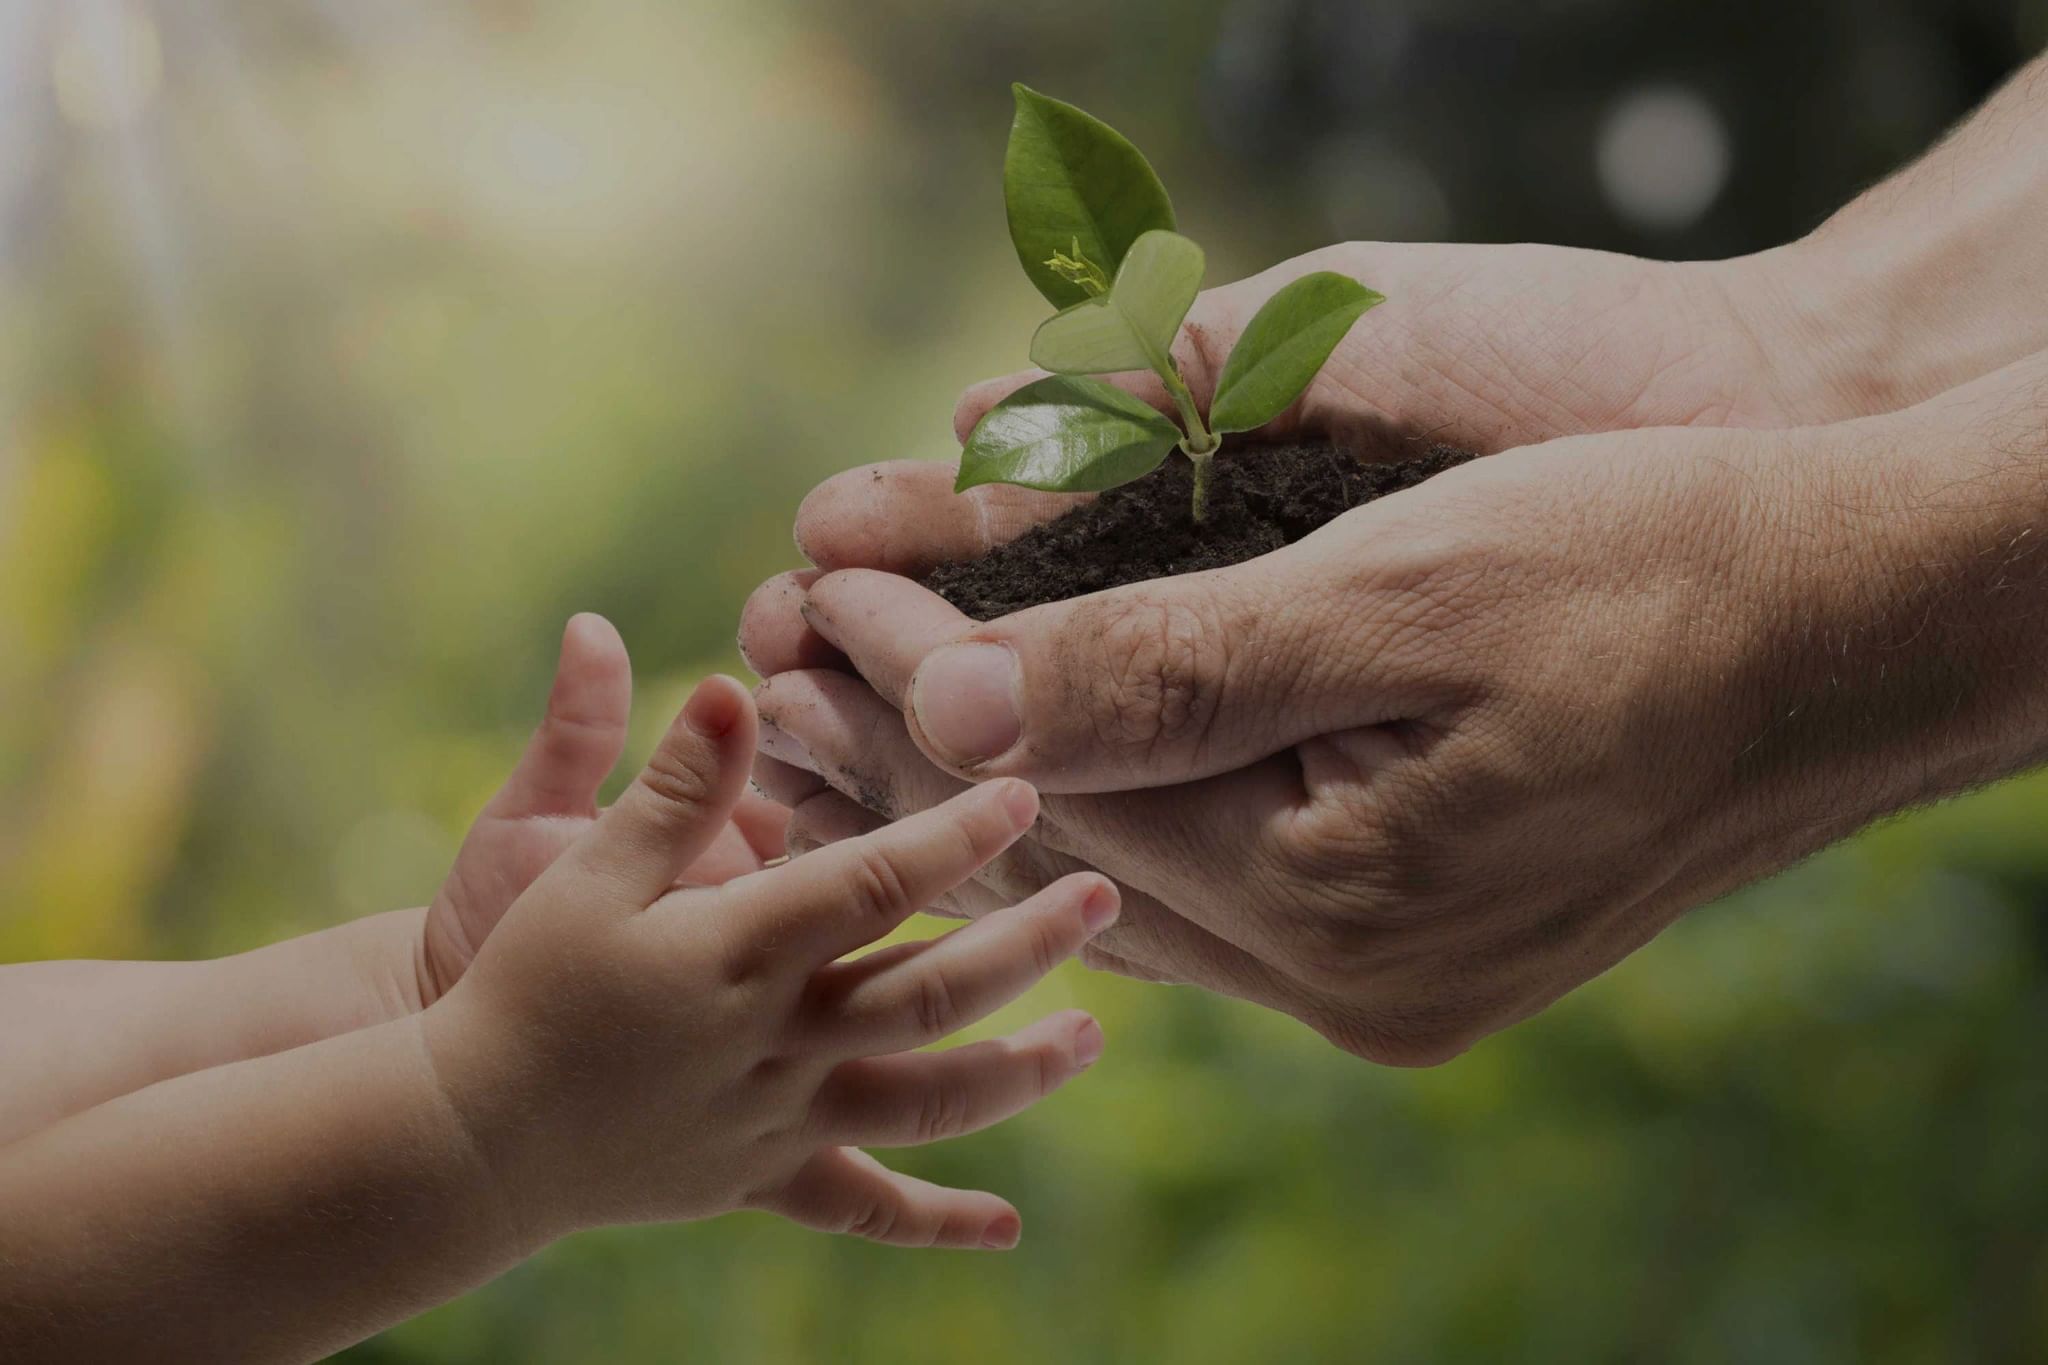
(1045, 949)
(876, 885)
(676, 780)
(1383, 858)
(971, 841)
(1049, 1073)
(875, 1221)
(934, 1006)
(1156, 664)
(942, 1113)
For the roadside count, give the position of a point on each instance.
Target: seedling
(1094, 230)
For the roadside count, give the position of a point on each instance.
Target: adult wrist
(1905, 593)
(1874, 312)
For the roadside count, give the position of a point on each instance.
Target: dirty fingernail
(965, 697)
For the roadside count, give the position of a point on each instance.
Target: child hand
(551, 798)
(623, 1050)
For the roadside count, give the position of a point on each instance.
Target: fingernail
(778, 743)
(1098, 912)
(813, 615)
(965, 697)
(712, 710)
(1020, 802)
(1002, 1234)
(1087, 1044)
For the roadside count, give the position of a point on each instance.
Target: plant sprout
(1094, 230)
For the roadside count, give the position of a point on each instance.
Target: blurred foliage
(346, 346)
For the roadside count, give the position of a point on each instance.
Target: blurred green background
(347, 346)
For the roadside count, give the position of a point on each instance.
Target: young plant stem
(1199, 443)
(1202, 464)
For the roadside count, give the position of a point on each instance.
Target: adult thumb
(1155, 683)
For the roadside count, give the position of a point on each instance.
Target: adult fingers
(1198, 841)
(1331, 404)
(834, 726)
(902, 516)
(784, 783)
(583, 732)
(677, 807)
(844, 1190)
(845, 606)
(965, 976)
(1146, 685)
(773, 635)
(1148, 942)
(912, 1098)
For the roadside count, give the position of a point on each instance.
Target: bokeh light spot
(1663, 157)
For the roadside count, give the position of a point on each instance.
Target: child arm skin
(621, 1050)
(73, 1034)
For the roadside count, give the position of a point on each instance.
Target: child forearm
(74, 1034)
(276, 1209)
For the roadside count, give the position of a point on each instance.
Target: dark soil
(1260, 498)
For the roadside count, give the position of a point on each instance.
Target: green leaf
(1131, 327)
(1283, 346)
(1076, 189)
(1067, 434)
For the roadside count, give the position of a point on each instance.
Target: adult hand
(1487, 347)
(1419, 774)
(1563, 693)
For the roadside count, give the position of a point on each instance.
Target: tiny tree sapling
(1094, 230)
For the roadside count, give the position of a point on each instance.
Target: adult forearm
(1932, 278)
(1909, 592)
(74, 1034)
(274, 1209)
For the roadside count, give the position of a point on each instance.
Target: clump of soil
(1261, 497)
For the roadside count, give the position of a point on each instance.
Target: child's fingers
(912, 1098)
(969, 973)
(676, 808)
(826, 904)
(763, 824)
(830, 818)
(751, 840)
(728, 857)
(845, 1190)
(580, 738)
